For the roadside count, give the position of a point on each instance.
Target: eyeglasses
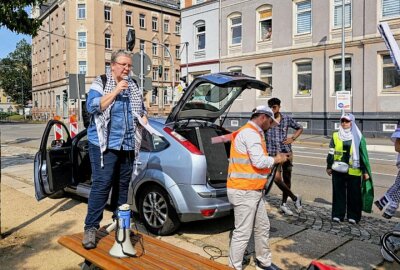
(344, 121)
(125, 65)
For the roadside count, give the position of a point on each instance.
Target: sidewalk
(373, 144)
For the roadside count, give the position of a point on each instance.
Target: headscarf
(353, 134)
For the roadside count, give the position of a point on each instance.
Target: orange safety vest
(241, 173)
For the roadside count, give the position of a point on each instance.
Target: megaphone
(122, 247)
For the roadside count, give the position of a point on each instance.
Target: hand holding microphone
(122, 85)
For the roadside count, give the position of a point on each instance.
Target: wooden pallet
(158, 254)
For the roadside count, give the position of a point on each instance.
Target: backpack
(86, 116)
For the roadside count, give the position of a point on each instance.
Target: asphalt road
(309, 176)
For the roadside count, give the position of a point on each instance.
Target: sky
(9, 40)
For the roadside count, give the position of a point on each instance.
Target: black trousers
(346, 196)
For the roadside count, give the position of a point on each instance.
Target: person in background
(391, 199)
(279, 142)
(249, 166)
(114, 136)
(348, 164)
(268, 34)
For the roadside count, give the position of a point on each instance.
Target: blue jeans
(115, 174)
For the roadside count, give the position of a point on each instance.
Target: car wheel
(157, 212)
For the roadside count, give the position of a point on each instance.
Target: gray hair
(118, 53)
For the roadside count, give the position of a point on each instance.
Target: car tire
(156, 211)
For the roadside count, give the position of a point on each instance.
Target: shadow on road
(20, 159)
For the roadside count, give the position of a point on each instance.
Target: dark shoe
(389, 212)
(271, 267)
(89, 238)
(381, 203)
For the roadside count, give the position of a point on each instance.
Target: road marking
(377, 159)
(319, 166)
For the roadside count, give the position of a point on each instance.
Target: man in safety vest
(249, 166)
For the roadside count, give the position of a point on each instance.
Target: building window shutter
(304, 17)
(390, 8)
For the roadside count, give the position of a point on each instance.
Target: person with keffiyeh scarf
(348, 164)
(114, 136)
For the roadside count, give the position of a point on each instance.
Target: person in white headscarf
(347, 163)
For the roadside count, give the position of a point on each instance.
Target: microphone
(125, 92)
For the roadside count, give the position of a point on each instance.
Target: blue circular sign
(340, 105)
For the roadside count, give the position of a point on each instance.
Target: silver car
(180, 176)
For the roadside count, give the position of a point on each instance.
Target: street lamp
(173, 70)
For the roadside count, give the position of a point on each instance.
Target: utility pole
(343, 47)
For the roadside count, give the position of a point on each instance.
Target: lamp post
(173, 71)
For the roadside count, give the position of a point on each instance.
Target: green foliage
(14, 17)
(16, 73)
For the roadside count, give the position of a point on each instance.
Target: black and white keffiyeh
(102, 120)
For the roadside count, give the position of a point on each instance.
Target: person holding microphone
(114, 136)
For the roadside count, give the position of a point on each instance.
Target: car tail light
(207, 212)
(183, 141)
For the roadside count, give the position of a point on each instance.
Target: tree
(16, 73)
(14, 17)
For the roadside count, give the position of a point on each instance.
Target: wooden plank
(157, 254)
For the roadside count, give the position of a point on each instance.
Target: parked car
(181, 176)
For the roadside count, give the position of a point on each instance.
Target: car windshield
(210, 97)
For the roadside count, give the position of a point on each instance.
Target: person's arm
(252, 143)
(107, 99)
(330, 157)
(296, 126)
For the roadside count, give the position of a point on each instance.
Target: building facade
(201, 36)
(78, 37)
(5, 103)
(295, 45)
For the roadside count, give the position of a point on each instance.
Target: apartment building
(295, 45)
(78, 37)
(301, 58)
(5, 103)
(201, 37)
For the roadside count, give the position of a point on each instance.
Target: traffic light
(160, 71)
(65, 96)
(130, 39)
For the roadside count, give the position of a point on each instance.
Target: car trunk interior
(216, 154)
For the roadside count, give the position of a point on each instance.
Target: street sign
(136, 64)
(343, 100)
(147, 82)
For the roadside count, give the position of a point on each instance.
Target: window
(390, 8)
(128, 18)
(166, 74)
(166, 50)
(303, 17)
(337, 66)
(81, 11)
(82, 67)
(337, 16)
(108, 67)
(200, 36)
(107, 13)
(154, 48)
(142, 21)
(177, 75)
(155, 74)
(178, 52)
(107, 41)
(166, 26)
(265, 24)
(178, 28)
(390, 77)
(304, 78)
(154, 23)
(141, 44)
(81, 40)
(236, 30)
(266, 76)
